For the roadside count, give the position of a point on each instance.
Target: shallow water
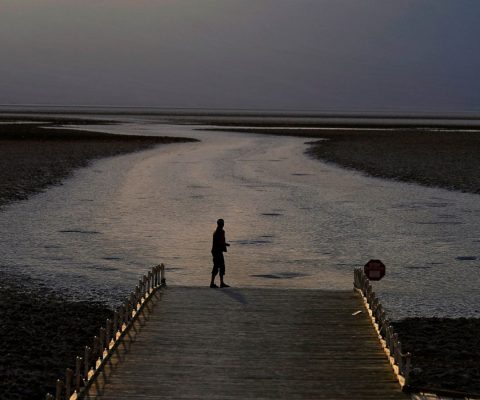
(292, 222)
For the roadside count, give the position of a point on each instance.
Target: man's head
(220, 223)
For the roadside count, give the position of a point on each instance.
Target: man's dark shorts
(218, 264)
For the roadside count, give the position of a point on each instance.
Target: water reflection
(292, 222)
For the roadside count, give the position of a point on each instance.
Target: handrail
(393, 347)
(88, 367)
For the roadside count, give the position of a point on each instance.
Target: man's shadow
(237, 296)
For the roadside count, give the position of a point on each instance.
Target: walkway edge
(399, 361)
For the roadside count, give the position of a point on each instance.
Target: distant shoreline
(247, 117)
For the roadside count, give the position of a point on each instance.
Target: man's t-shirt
(219, 245)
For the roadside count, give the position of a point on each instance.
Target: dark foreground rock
(42, 332)
(445, 353)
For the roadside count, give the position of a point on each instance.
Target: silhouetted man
(219, 246)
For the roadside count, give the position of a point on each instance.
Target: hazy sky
(346, 55)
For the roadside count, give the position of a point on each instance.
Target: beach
(43, 330)
(35, 158)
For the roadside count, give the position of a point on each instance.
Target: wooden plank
(199, 343)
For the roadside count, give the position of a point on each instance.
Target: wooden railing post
(78, 373)
(162, 275)
(86, 361)
(128, 311)
(102, 339)
(408, 359)
(68, 383)
(126, 308)
(95, 351)
(58, 390)
(133, 306)
(109, 332)
(115, 325)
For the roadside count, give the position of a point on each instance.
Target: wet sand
(43, 331)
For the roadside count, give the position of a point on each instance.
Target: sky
(314, 55)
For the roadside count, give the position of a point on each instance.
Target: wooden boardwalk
(200, 343)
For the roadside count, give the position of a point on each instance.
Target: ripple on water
(252, 241)
(272, 214)
(198, 187)
(80, 231)
(439, 223)
(420, 205)
(447, 216)
(100, 268)
(280, 275)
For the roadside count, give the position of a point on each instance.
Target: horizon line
(385, 113)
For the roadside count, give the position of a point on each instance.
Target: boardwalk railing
(393, 347)
(91, 364)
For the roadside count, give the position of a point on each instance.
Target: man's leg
(214, 273)
(222, 273)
